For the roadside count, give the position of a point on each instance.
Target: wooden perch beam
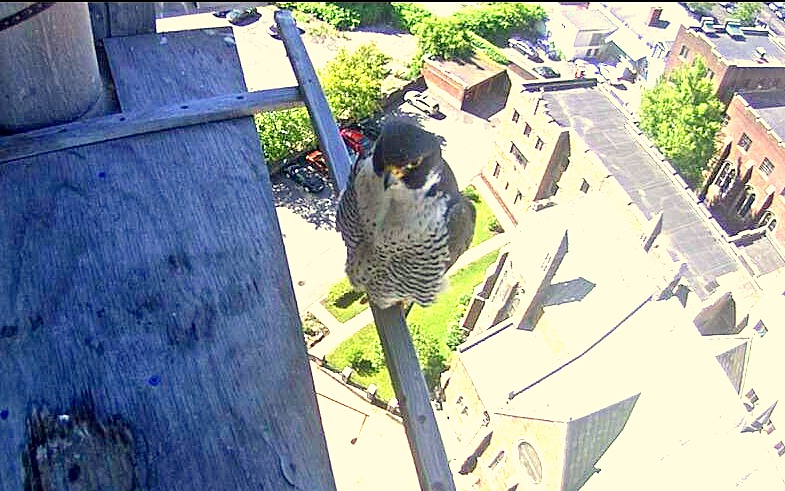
(132, 123)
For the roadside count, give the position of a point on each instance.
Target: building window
(725, 177)
(530, 462)
(527, 130)
(497, 170)
(768, 221)
(518, 155)
(515, 116)
(761, 329)
(766, 167)
(744, 204)
(684, 51)
(745, 142)
(584, 186)
(596, 39)
(518, 197)
(539, 144)
(496, 460)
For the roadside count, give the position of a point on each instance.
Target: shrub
(471, 193)
(494, 226)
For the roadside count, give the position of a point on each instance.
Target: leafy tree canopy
(747, 12)
(443, 38)
(683, 116)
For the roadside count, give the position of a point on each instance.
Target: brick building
(464, 83)
(739, 58)
(747, 188)
(532, 153)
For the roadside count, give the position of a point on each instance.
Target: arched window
(722, 175)
(767, 220)
(530, 461)
(745, 208)
(745, 202)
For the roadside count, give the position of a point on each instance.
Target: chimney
(654, 16)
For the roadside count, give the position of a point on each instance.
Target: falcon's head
(405, 153)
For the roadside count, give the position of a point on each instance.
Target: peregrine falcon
(402, 218)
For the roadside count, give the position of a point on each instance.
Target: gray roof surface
(687, 236)
(741, 50)
(771, 107)
(588, 19)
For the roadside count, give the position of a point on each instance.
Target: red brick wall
(727, 78)
(764, 145)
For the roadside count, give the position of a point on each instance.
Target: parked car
(423, 102)
(357, 141)
(272, 30)
(526, 48)
(242, 17)
(318, 161)
(546, 72)
(303, 175)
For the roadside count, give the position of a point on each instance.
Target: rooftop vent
(733, 28)
(707, 25)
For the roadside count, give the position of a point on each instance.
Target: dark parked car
(526, 48)
(546, 72)
(302, 174)
(243, 17)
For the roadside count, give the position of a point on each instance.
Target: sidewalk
(340, 331)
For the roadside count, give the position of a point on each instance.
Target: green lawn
(344, 302)
(433, 321)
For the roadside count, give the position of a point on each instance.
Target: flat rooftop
(771, 108)
(685, 234)
(741, 50)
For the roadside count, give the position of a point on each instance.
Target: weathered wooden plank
(146, 300)
(322, 118)
(130, 18)
(131, 123)
(430, 458)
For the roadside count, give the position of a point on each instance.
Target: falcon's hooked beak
(392, 173)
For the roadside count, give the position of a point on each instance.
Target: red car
(355, 140)
(318, 161)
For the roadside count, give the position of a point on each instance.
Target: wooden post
(419, 421)
(50, 71)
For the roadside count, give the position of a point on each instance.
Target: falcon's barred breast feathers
(402, 217)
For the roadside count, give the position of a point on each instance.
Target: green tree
(747, 12)
(700, 8)
(352, 85)
(443, 38)
(352, 82)
(429, 355)
(682, 115)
